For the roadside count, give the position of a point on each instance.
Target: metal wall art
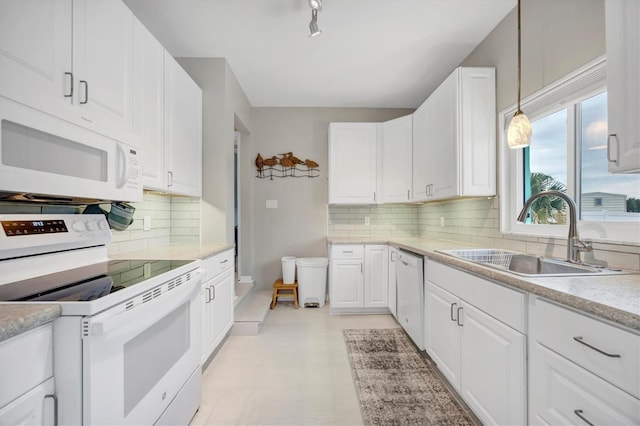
(285, 165)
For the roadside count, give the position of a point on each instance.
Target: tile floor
(295, 372)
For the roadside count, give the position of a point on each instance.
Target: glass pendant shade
(519, 133)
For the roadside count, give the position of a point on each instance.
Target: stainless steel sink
(527, 265)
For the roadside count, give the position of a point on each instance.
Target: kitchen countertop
(612, 297)
(20, 317)
(175, 251)
(16, 318)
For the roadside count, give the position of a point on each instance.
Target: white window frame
(583, 83)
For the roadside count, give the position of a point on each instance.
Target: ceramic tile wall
(134, 238)
(185, 220)
(385, 221)
(477, 221)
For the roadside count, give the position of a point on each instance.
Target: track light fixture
(315, 5)
(313, 25)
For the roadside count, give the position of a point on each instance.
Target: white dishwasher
(410, 295)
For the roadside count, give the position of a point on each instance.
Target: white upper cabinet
(353, 169)
(103, 65)
(35, 53)
(454, 138)
(72, 60)
(623, 85)
(397, 137)
(148, 112)
(183, 130)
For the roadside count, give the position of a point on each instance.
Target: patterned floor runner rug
(396, 385)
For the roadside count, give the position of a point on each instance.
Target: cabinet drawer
(502, 303)
(219, 263)
(561, 392)
(348, 251)
(568, 333)
(26, 361)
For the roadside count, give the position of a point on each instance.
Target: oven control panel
(25, 235)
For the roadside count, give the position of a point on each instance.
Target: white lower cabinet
(583, 372)
(217, 301)
(393, 257)
(483, 358)
(358, 278)
(27, 387)
(36, 407)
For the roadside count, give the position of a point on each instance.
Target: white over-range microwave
(44, 158)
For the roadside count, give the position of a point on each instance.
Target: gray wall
(225, 108)
(557, 37)
(298, 227)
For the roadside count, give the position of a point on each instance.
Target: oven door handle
(104, 323)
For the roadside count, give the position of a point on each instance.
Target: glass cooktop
(87, 283)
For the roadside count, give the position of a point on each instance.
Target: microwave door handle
(104, 323)
(123, 165)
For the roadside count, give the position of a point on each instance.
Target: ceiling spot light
(519, 133)
(315, 4)
(313, 25)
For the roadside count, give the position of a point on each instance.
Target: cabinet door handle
(86, 92)
(70, 74)
(609, 159)
(582, 342)
(361, 271)
(347, 251)
(374, 196)
(451, 313)
(55, 407)
(408, 194)
(584, 419)
(213, 292)
(208, 294)
(458, 316)
(170, 178)
(224, 261)
(392, 253)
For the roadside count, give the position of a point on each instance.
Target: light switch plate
(146, 223)
(272, 204)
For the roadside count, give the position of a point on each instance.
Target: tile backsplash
(174, 219)
(474, 220)
(384, 221)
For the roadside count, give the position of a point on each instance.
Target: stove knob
(78, 226)
(102, 225)
(91, 226)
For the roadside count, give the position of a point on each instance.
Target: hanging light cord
(519, 60)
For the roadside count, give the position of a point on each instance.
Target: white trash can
(312, 281)
(288, 269)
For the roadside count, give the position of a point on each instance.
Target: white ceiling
(371, 53)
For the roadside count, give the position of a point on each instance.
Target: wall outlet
(272, 204)
(146, 223)
(367, 220)
(442, 221)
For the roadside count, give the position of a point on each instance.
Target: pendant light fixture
(315, 5)
(519, 133)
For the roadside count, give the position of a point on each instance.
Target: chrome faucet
(574, 244)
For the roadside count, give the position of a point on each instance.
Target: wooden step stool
(282, 289)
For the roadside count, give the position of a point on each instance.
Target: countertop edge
(18, 318)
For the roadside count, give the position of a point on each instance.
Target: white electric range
(127, 344)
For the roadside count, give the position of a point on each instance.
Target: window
(568, 154)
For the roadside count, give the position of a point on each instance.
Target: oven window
(152, 353)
